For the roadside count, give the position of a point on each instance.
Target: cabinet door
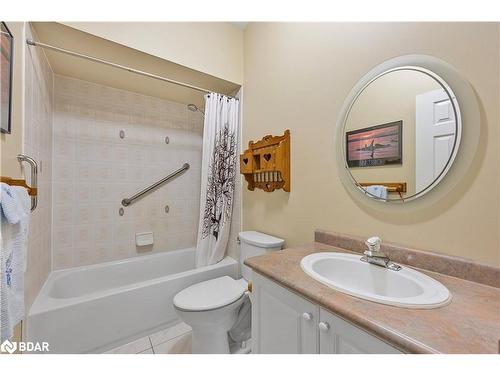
(336, 336)
(282, 322)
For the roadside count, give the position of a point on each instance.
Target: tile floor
(172, 340)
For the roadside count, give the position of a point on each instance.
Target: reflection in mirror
(401, 134)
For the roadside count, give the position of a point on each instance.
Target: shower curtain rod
(123, 67)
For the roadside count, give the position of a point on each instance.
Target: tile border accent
(445, 264)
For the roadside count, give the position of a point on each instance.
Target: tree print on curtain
(219, 170)
(220, 184)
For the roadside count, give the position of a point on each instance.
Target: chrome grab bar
(128, 201)
(34, 176)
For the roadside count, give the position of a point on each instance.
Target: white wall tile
(94, 169)
(37, 143)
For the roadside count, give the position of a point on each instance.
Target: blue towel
(14, 215)
(9, 204)
(378, 191)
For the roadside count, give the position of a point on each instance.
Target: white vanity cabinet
(337, 336)
(283, 322)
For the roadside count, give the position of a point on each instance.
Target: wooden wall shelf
(266, 163)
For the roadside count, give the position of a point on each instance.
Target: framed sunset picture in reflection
(6, 45)
(375, 146)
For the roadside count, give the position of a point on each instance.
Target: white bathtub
(94, 308)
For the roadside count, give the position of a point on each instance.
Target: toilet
(219, 310)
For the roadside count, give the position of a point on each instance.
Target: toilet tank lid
(260, 239)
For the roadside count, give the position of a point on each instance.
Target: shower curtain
(218, 177)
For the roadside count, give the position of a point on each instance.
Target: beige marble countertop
(469, 324)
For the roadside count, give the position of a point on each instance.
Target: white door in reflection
(434, 135)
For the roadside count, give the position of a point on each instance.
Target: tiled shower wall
(94, 169)
(37, 143)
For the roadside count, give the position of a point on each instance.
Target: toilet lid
(210, 294)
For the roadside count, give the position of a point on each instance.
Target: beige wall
(12, 144)
(391, 98)
(297, 76)
(214, 48)
(69, 38)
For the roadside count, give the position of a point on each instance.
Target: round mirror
(401, 134)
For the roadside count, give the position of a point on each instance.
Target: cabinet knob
(307, 316)
(323, 326)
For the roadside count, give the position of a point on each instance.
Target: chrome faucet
(374, 256)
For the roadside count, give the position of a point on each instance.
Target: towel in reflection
(378, 191)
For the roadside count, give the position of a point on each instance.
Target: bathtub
(92, 309)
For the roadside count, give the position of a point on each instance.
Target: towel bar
(32, 189)
(392, 187)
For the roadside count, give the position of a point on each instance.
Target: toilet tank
(253, 244)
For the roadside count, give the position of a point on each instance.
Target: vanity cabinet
(337, 336)
(282, 322)
(285, 323)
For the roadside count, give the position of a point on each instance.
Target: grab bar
(34, 177)
(128, 201)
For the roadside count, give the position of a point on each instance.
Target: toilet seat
(210, 294)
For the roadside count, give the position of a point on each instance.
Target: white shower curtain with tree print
(218, 178)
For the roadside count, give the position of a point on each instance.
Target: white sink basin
(348, 274)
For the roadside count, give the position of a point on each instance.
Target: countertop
(469, 324)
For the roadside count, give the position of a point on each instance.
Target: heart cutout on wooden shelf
(267, 157)
(245, 160)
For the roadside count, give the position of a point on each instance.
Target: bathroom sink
(348, 274)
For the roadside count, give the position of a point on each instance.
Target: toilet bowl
(215, 309)
(211, 309)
